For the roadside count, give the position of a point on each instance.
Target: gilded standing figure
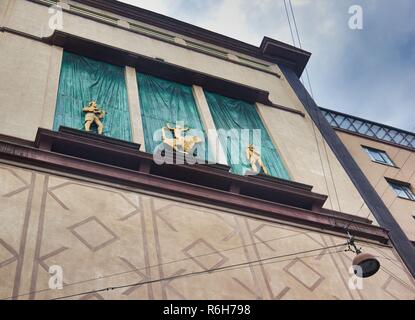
(94, 115)
(255, 160)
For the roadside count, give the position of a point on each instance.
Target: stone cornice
(65, 151)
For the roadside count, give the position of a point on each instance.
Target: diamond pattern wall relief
(93, 233)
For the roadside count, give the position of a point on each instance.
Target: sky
(368, 72)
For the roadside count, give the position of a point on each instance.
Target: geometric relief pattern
(304, 274)
(25, 185)
(255, 295)
(142, 277)
(92, 296)
(14, 183)
(270, 236)
(42, 260)
(51, 192)
(260, 232)
(7, 254)
(200, 249)
(207, 239)
(397, 290)
(234, 230)
(227, 237)
(93, 233)
(167, 284)
(203, 251)
(257, 234)
(159, 214)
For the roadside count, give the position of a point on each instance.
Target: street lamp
(365, 265)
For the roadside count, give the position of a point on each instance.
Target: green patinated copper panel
(83, 80)
(230, 114)
(165, 102)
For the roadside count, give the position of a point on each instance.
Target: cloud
(368, 73)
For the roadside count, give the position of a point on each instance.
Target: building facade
(101, 210)
(386, 156)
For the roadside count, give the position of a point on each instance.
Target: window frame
(400, 188)
(386, 160)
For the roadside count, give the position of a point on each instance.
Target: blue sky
(368, 73)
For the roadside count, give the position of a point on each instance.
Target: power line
(387, 187)
(230, 268)
(140, 283)
(332, 176)
(289, 22)
(397, 264)
(405, 284)
(161, 264)
(322, 164)
(295, 24)
(314, 130)
(328, 160)
(299, 42)
(318, 119)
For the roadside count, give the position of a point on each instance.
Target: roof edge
(404, 133)
(367, 120)
(270, 50)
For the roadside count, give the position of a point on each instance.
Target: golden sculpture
(254, 159)
(94, 115)
(179, 142)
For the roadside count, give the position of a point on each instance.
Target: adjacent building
(386, 156)
(269, 212)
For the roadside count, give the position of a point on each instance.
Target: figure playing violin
(94, 115)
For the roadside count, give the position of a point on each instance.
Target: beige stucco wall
(30, 72)
(104, 236)
(28, 85)
(310, 160)
(403, 210)
(37, 24)
(3, 9)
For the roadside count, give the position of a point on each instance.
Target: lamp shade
(365, 265)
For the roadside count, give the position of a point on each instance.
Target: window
(379, 156)
(402, 190)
